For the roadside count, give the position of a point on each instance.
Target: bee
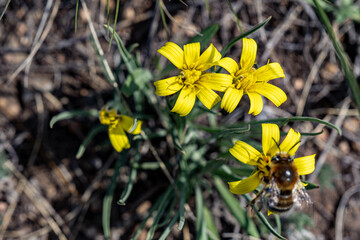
(283, 187)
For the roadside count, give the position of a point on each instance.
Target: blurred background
(47, 67)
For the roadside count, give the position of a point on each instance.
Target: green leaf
(4, 171)
(206, 35)
(128, 59)
(182, 203)
(148, 165)
(109, 194)
(341, 54)
(210, 225)
(264, 220)
(235, 208)
(200, 223)
(133, 173)
(88, 138)
(164, 201)
(152, 209)
(310, 185)
(283, 121)
(6, 6)
(167, 230)
(213, 165)
(136, 80)
(254, 29)
(72, 114)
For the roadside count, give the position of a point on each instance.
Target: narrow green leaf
(206, 36)
(232, 42)
(210, 225)
(72, 114)
(165, 200)
(163, 17)
(108, 17)
(167, 230)
(182, 203)
(76, 13)
(115, 21)
(125, 55)
(235, 208)
(284, 121)
(310, 185)
(88, 138)
(168, 212)
(6, 6)
(278, 223)
(152, 209)
(109, 195)
(200, 223)
(235, 15)
(342, 56)
(312, 134)
(213, 165)
(264, 220)
(133, 173)
(148, 165)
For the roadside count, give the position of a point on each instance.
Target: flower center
(189, 77)
(244, 79)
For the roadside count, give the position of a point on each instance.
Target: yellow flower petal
(268, 72)
(130, 125)
(245, 153)
(208, 97)
(208, 58)
(216, 81)
(173, 53)
(246, 185)
(248, 53)
(191, 54)
(305, 165)
(231, 98)
(270, 138)
(229, 64)
(291, 142)
(256, 103)
(118, 137)
(168, 86)
(273, 93)
(185, 101)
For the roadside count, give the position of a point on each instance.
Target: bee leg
(253, 201)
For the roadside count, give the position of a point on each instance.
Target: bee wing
(272, 193)
(300, 196)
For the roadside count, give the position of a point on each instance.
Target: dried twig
(44, 207)
(38, 45)
(321, 160)
(310, 79)
(340, 212)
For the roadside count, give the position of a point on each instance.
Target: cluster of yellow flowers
(193, 81)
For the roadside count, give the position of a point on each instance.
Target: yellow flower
(270, 140)
(251, 81)
(192, 80)
(118, 125)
